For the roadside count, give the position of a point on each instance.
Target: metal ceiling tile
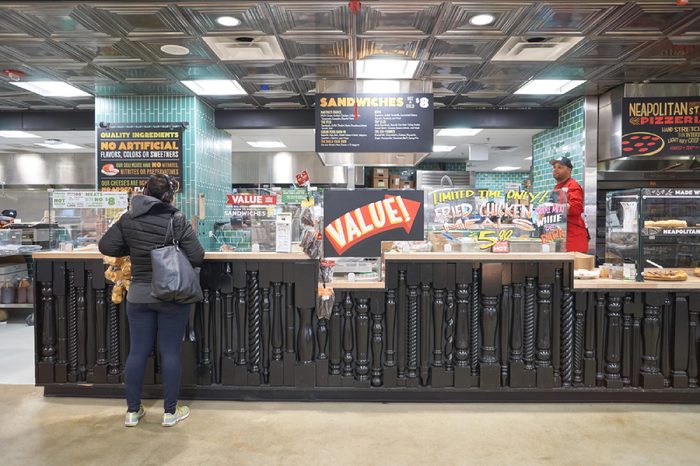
(569, 17)
(34, 50)
(601, 49)
(315, 48)
(261, 72)
(137, 72)
(198, 50)
(188, 71)
(87, 50)
(684, 73)
(474, 49)
(572, 70)
(506, 71)
(398, 18)
(489, 89)
(250, 14)
(136, 20)
(310, 17)
(75, 74)
(322, 70)
(395, 47)
(627, 72)
(649, 18)
(668, 51)
(165, 88)
(509, 15)
(447, 72)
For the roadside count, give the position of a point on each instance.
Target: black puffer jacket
(142, 229)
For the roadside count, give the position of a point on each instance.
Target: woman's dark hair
(161, 187)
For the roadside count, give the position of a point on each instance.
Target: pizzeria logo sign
(390, 213)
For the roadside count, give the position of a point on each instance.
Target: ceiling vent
(504, 148)
(245, 48)
(535, 48)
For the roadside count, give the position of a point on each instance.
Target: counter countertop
(692, 283)
(94, 254)
(347, 285)
(483, 256)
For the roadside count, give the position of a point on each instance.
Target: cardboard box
(380, 183)
(380, 172)
(395, 181)
(583, 261)
(408, 184)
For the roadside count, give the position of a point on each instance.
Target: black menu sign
(357, 221)
(660, 126)
(127, 154)
(384, 123)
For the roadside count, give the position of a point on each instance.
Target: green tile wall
(567, 140)
(497, 180)
(206, 150)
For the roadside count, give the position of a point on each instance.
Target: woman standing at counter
(136, 233)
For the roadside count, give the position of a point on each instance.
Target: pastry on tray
(666, 275)
(665, 224)
(697, 271)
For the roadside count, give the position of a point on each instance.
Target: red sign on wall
(250, 199)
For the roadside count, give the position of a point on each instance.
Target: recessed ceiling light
(482, 20)
(17, 134)
(459, 131)
(228, 21)
(266, 144)
(443, 148)
(528, 158)
(381, 86)
(383, 68)
(506, 168)
(549, 86)
(172, 49)
(215, 87)
(51, 88)
(57, 145)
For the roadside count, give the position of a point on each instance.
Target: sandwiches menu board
(658, 126)
(374, 122)
(127, 154)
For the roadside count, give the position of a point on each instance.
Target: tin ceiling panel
(114, 48)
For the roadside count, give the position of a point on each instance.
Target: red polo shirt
(576, 234)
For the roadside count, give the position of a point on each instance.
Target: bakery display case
(653, 228)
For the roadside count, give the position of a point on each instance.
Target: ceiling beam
(71, 120)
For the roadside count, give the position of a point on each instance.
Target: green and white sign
(89, 200)
(294, 196)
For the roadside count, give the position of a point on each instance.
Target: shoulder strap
(170, 232)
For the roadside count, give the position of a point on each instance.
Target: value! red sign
(388, 214)
(250, 199)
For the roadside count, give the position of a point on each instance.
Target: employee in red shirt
(576, 231)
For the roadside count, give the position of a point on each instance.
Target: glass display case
(78, 219)
(653, 228)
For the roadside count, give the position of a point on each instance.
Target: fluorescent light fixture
(506, 168)
(17, 134)
(228, 21)
(381, 86)
(443, 148)
(51, 88)
(383, 68)
(57, 145)
(549, 86)
(266, 144)
(459, 131)
(528, 158)
(215, 87)
(173, 49)
(482, 20)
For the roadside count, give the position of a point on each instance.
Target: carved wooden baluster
(475, 318)
(462, 326)
(530, 316)
(636, 349)
(241, 314)
(289, 317)
(600, 337)
(347, 336)
(305, 336)
(450, 308)
(48, 341)
(578, 339)
(402, 327)
(614, 341)
(266, 335)
(61, 329)
(590, 335)
(229, 316)
(489, 321)
(254, 322)
(424, 331)
(206, 329)
(336, 340)
(666, 331)
(114, 356)
(557, 312)
(101, 327)
(362, 323)
(377, 332)
(651, 332)
(390, 328)
(626, 349)
(567, 343)
(322, 338)
(82, 333)
(438, 324)
(692, 346)
(544, 325)
(73, 329)
(516, 324)
(91, 350)
(216, 327)
(506, 306)
(277, 322)
(412, 350)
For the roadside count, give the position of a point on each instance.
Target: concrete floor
(49, 431)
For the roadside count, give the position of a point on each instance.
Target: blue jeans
(146, 321)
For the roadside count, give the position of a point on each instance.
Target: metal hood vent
(374, 159)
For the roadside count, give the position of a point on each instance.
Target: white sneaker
(132, 419)
(181, 412)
